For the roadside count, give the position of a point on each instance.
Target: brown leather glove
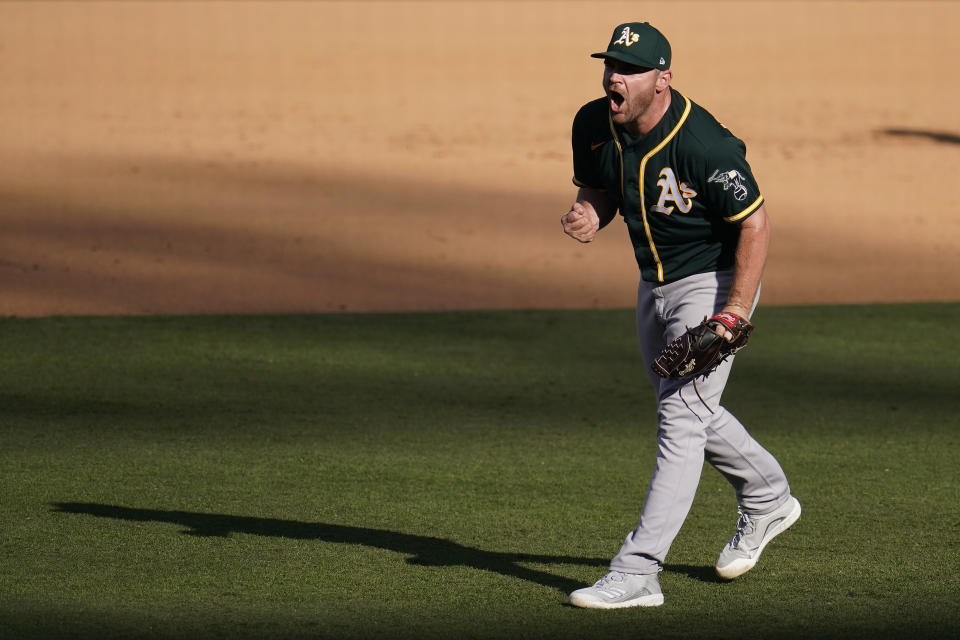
(700, 350)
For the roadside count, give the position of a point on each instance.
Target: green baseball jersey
(683, 188)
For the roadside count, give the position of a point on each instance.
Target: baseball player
(700, 233)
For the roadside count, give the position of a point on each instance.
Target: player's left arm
(750, 258)
(731, 192)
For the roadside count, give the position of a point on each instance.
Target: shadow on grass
(425, 550)
(699, 573)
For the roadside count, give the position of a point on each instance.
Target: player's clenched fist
(581, 222)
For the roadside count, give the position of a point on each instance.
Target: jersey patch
(681, 195)
(732, 179)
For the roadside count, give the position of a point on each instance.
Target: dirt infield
(207, 157)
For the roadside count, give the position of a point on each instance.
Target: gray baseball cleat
(618, 590)
(753, 533)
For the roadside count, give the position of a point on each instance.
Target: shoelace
(613, 576)
(606, 584)
(744, 527)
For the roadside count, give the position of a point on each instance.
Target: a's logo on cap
(627, 38)
(662, 61)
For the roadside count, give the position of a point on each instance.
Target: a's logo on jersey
(679, 194)
(732, 179)
(627, 38)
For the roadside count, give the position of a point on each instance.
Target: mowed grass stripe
(455, 474)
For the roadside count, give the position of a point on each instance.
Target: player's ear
(663, 79)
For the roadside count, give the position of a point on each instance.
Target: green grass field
(454, 475)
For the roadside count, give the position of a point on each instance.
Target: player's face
(630, 91)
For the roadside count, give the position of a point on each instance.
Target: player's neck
(652, 116)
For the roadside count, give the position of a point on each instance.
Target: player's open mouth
(616, 100)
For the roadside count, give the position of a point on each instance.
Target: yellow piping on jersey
(616, 141)
(643, 204)
(743, 214)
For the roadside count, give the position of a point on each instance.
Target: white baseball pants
(688, 433)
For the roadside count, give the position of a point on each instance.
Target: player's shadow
(944, 137)
(699, 573)
(424, 550)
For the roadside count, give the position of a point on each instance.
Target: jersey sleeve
(731, 190)
(586, 173)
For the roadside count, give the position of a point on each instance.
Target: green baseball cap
(638, 43)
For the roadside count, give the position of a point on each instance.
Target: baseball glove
(700, 350)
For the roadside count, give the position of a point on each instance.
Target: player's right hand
(580, 223)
